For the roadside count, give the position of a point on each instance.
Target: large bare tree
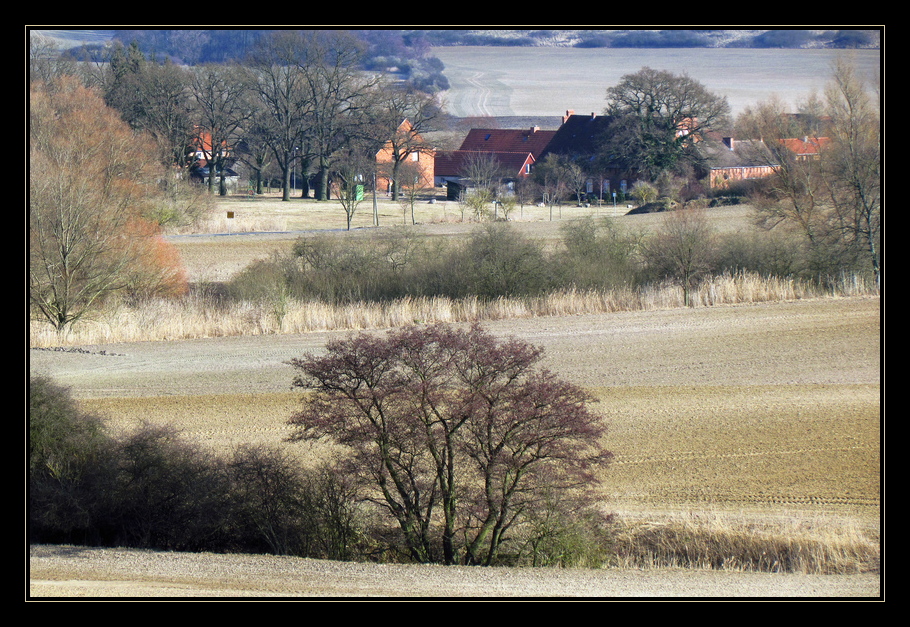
(279, 86)
(223, 108)
(659, 116)
(404, 115)
(457, 422)
(832, 195)
(852, 164)
(339, 97)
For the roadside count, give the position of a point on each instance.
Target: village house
(728, 161)
(733, 161)
(528, 140)
(199, 153)
(579, 138)
(451, 168)
(807, 148)
(406, 146)
(516, 151)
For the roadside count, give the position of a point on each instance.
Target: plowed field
(769, 410)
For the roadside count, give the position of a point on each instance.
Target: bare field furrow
(712, 405)
(704, 456)
(758, 411)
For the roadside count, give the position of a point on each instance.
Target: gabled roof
(529, 140)
(579, 134)
(452, 163)
(807, 146)
(727, 152)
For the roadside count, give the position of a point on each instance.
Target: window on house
(415, 156)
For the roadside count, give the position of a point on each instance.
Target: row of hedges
(496, 260)
(153, 489)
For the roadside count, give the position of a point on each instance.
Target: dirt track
(78, 572)
(768, 410)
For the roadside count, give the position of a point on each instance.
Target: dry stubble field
(745, 413)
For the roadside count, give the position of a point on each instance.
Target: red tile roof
(526, 140)
(451, 163)
(806, 146)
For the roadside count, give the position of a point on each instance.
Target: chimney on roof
(569, 113)
(728, 142)
(534, 129)
(593, 115)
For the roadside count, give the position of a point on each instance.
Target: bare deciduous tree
(404, 115)
(682, 248)
(834, 195)
(455, 434)
(852, 164)
(279, 86)
(88, 195)
(223, 107)
(483, 173)
(659, 116)
(353, 168)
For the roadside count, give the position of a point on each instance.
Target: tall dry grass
(198, 316)
(713, 541)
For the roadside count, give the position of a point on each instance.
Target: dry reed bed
(712, 541)
(195, 317)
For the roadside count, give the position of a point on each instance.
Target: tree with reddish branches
(456, 434)
(90, 236)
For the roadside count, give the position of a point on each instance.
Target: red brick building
(407, 146)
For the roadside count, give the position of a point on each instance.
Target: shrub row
(153, 489)
(498, 261)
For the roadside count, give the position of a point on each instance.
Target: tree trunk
(322, 183)
(286, 173)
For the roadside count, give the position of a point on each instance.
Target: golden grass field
(749, 415)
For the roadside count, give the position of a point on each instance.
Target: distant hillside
(674, 38)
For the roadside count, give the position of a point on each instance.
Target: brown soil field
(767, 411)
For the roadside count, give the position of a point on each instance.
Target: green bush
(494, 261)
(499, 261)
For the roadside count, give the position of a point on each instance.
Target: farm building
(516, 150)
(807, 147)
(452, 168)
(579, 137)
(731, 161)
(734, 160)
(406, 146)
(529, 140)
(231, 178)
